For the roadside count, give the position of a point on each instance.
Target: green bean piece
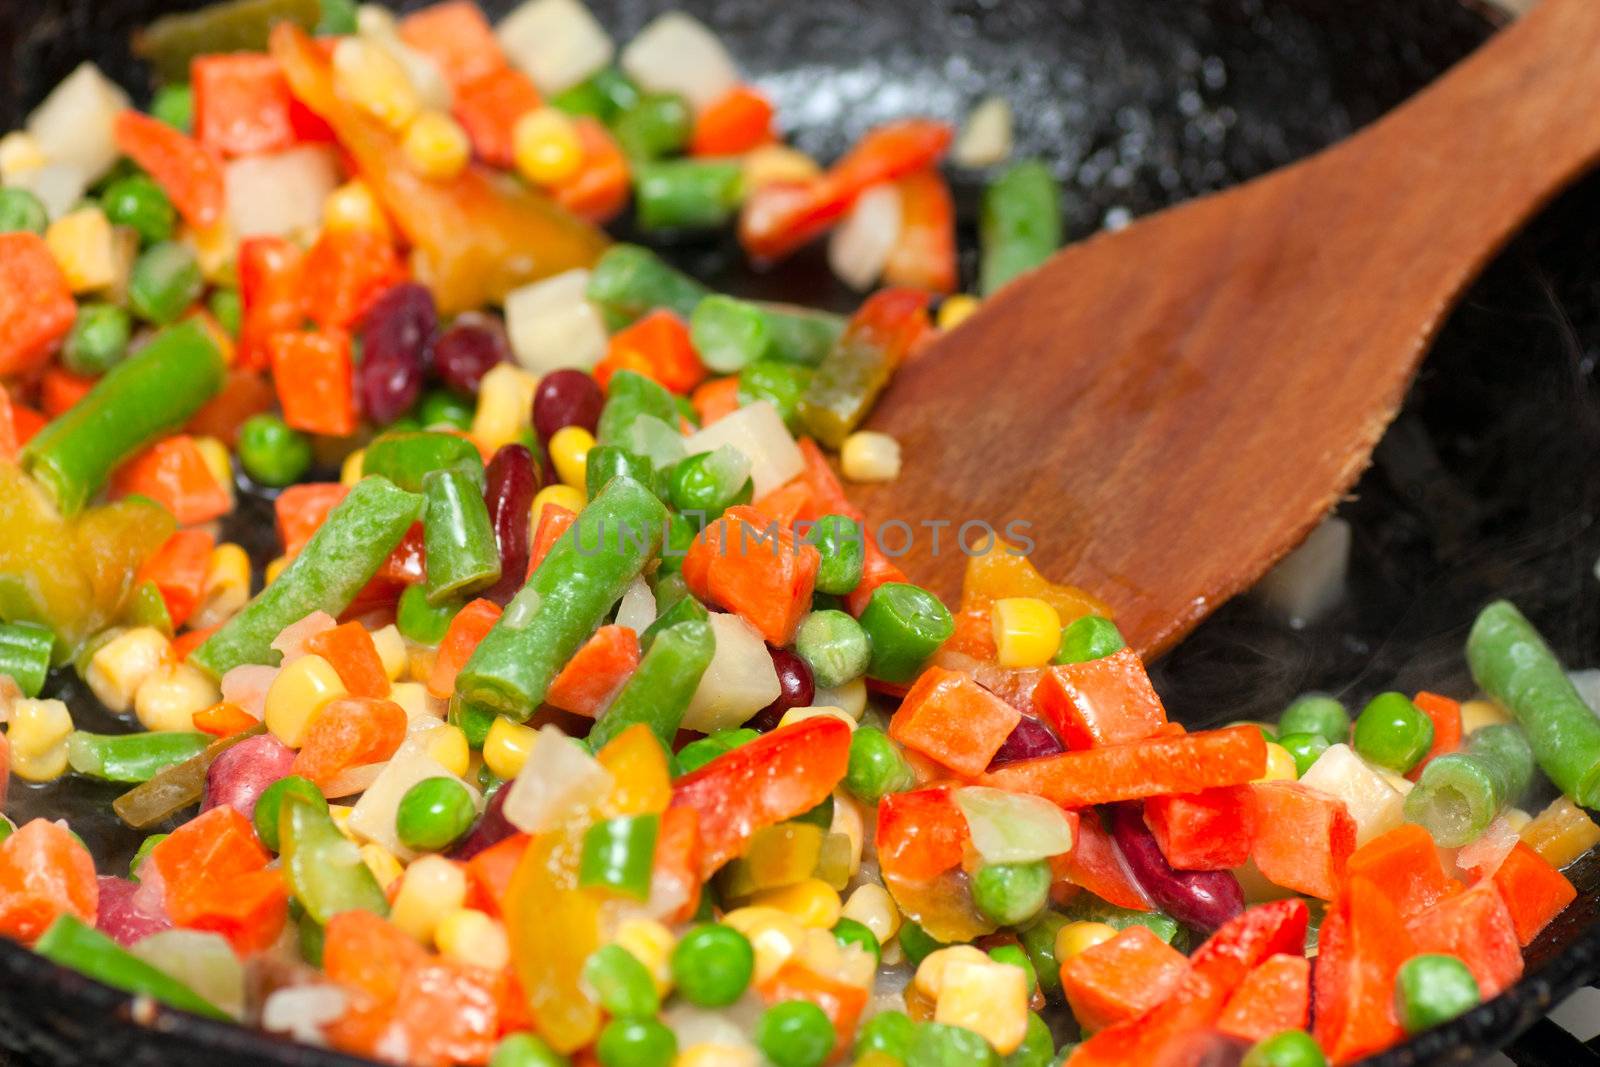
(131, 757)
(582, 100)
(684, 609)
(71, 943)
(171, 41)
(22, 212)
(474, 720)
(605, 462)
(1038, 1048)
(1039, 942)
(1019, 224)
(1091, 637)
(98, 339)
(656, 125)
(335, 565)
(842, 543)
(269, 806)
(457, 536)
(906, 624)
(834, 646)
(565, 600)
(687, 194)
(144, 397)
(781, 384)
(406, 457)
(604, 95)
(1504, 747)
(729, 333)
(697, 754)
(325, 874)
(338, 18)
(421, 621)
(164, 282)
(629, 396)
(618, 853)
(1459, 794)
(136, 201)
(176, 787)
(660, 688)
(25, 655)
(629, 280)
(799, 334)
(1432, 989)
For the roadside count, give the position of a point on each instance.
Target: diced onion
(656, 440)
(557, 43)
(373, 815)
(523, 607)
(1014, 827)
(985, 138)
(758, 431)
(291, 640)
(302, 1011)
(676, 53)
(246, 687)
(860, 248)
(638, 607)
(1374, 804)
(1483, 857)
(282, 194)
(204, 962)
(552, 324)
(558, 777)
(740, 681)
(1310, 580)
(74, 123)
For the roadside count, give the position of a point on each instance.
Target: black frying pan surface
(1483, 486)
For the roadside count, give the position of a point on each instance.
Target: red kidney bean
(492, 828)
(397, 339)
(242, 773)
(464, 353)
(796, 689)
(511, 480)
(1029, 739)
(566, 398)
(1202, 899)
(122, 915)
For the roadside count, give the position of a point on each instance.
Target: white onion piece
(302, 1011)
(558, 777)
(1483, 857)
(246, 685)
(59, 186)
(74, 123)
(656, 440)
(758, 431)
(357, 779)
(204, 962)
(728, 466)
(1014, 827)
(1587, 683)
(1375, 805)
(1310, 580)
(676, 53)
(291, 640)
(985, 138)
(740, 681)
(557, 43)
(697, 1027)
(860, 248)
(552, 324)
(638, 607)
(280, 195)
(373, 815)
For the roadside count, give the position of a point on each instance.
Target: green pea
(227, 307)
(174, 105)
(620, 983)
(1287, 1048)
(842, 544)
(524, 1049)
(1393, 732)
(907, 624)
(657, 124)
(140, 204)
(889, 1032)
(1305, 748)
(697, 754)
(795, 1033)
(164, 281)
(711, 482)
(271, 802)
(1316, 713)
(712, 965)
(98, 339)
(916, 942)
(1017, 957)
(272, 452)
(421, 622)
(1432, 989)
(636, 1043)
(834, 646)
(443, 407)
(876, 767)
(1038, 1048)
(850, 932)
(941, 1045)
(434, 813)
(1011, 893)
(21, 212)
(783, 385)
(1039, 941)
(1088, 638)
(145, 848)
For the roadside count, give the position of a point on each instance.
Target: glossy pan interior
(1484, 485)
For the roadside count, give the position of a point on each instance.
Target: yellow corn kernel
(774, 935)
(505, 405)
(560, 495)
(710, 1054)
(850, 698)
(447, 745)
(419, 661)
(226, 588)
(929, 978)
(299, 691)
(1480, 713)
(391, 650)
(569, 451)
(651, 943)
(353, 208)
(20, 153)
(38, 738)
(219, 461)
(794, 715)
(432, 888)
(869, 456)
(1075, 938)
(375, 82)
(471, 936)
(988, 998)
(545, 147)
(216, 250)
(1280, 765)
(121, 665)
(954, 310)
(506, 747)
(849, 823)
(1027, 631)
(169, 698)
(379, 860)
(274, 568)
(414, 699)
(84, 248)
(812, 901)
(350, 470)
(775, 163)
(893, 954)
(873, 907)
(436, 146)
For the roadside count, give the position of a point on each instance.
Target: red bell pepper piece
(1404, 864)
(222, 719)
(345, 272)
(951, 719)
(734, 123)
(242, 105)
(407, 564)
(841, 1002)
(249, 909)
(553, 522)
(1158, 1033)
(1476, 927)
(1446, 717)
(190, 640)
(468, 628)
(36, 305)
(1276, 996)
(448, 1013)
(1157, 765)
(595, 672)
(490, 871)
(457, 37)
(658, 347)
(349, 732)
(719, 397)
(1206, 831)
(600, 188)
(1303, 838)
(60, 389)
(1106, 701)
(369, 955)
(45, 872)
(300, 509)
(1095, 864)
(214, 845)
(780, 218)
(925, 255)
(488, 109)
(1534, 891)
(270, 271)
(189, 173)
(921, 833)
(677, 859)
(244, 393)
(745, 564)
(1244, 942)
(1360, 947)
(314, 378)
(178, 568)
(350, 650)
(1121, 978)
(775, 777)
(173, 473)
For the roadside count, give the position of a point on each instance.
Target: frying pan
(1481, 487)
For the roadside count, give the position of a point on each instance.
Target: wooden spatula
(1174, 406)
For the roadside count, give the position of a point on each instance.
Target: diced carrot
(657, 346)
(1446, 717)
(1534, 891)
(223, 719)
(270, 273)
(921, 833)
(25, 422)
(248, 909)
(352, 653)
(178, 568)
(595, 672)
(842, 1002)
(488, 108)
(1156, 1036)
(1404, 864)
(174, 473)
(1231, 756)
(188, 173)
(457, 37)
(1207, 831)
(716, 398)
(190, 640)
(1106, 701)
(345, 272)
(1303, 838)
(490, 871)
(734, 123)
(599, 191)
(202, 863)
(244, 393)
(469, 626)
(45, 872)
(1095, 864)
(948, 717)
(36, 305)
(1360, 947)
(677, 859)
(242, 105)
(349, 732)
(313, 375)
(1244, 942)
(553, 522)
(368, 954)
(300, 509)
(1121, 978)
(447, 1013)
(1276, 996)
(1476, 927)
(924, 256)
(60, 389)
(974, 636)
(745, 564)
